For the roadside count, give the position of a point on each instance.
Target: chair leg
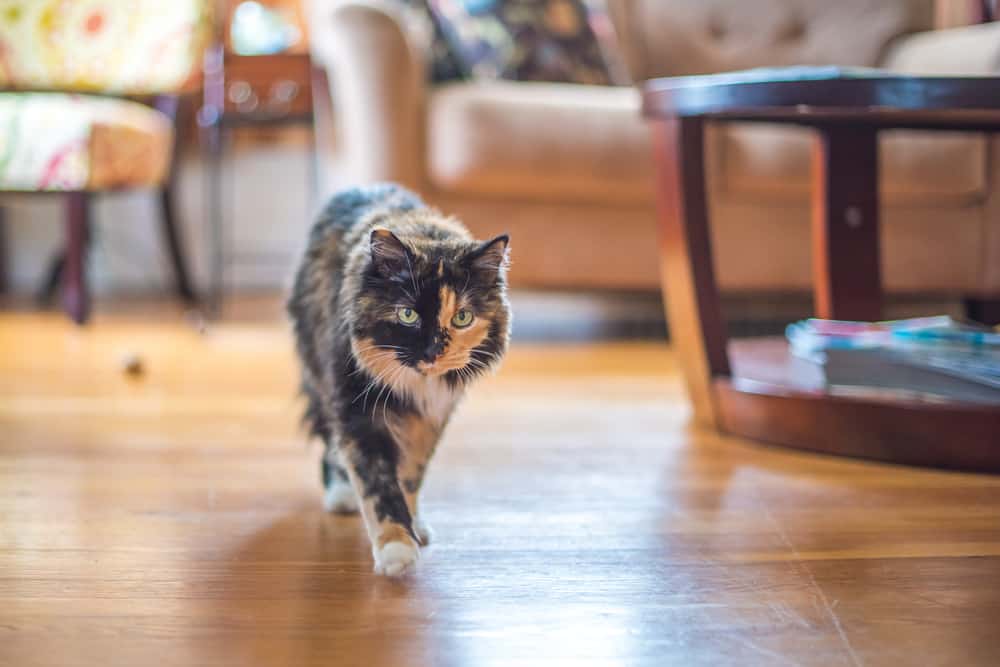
(3, 255)
(984, 311)
(76, 296)
(53, 279)
(171, 233)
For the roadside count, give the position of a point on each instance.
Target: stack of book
(928, 358)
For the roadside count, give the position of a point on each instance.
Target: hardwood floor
(173, 518)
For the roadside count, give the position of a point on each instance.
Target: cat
(396, 310)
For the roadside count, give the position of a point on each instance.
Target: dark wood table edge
(844, 222)
(893, 431)
(732, 95)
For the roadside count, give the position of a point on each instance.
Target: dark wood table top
(830, 95)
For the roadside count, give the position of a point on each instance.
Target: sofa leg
(171, 234)
(984, 311)
(76, 296)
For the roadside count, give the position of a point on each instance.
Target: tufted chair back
(680, 37)
(127, 47)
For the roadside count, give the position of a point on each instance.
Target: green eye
(407, 316)
(462, 319)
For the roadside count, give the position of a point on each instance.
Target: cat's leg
(412, 477)
(417, 438)
(371, 465)
(339, 496)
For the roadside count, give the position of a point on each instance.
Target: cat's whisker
(392, 388)
(487, 359)
(388, 384)
(489, 355)
(383, 354)
(365, 394)
(478, 363)
(378, 396)
(378, 356)
(377, 347)
(370, 386)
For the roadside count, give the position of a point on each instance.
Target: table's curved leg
(847, 282)
(697, 330)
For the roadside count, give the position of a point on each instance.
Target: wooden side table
(752, 389)
(245, 92)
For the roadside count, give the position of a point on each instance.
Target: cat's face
(434, 308)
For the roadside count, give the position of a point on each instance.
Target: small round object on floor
(133, 366)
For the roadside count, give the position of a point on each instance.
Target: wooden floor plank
(174, 519)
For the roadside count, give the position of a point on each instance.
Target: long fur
(379, 390)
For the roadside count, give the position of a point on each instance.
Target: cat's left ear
(491, 257)
(390, 256)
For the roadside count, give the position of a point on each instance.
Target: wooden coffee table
(752, 388)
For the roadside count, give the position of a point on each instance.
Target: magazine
(937, 356)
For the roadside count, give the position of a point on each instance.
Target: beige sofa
(567, 170)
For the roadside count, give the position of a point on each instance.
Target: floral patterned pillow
(444, 66)
(529, 40)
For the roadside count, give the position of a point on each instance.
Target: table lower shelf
(774, 399)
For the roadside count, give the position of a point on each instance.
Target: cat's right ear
(390, 256)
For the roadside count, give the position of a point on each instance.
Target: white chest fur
(431, 396)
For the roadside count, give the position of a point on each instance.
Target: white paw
(395, 558)
(423, 531)
(340, 498)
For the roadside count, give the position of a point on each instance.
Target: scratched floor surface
(174, 519)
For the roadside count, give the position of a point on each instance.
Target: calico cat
(396, 310)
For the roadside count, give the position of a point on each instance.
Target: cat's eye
(407, 316)
(462, 318)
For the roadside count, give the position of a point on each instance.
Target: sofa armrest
(375, 59)
(968, 50)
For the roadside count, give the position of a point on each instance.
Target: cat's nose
(434, 349)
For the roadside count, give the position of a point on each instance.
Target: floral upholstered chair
(73, 78)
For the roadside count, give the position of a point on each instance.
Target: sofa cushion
(774, 161)
(676, 37)
(534, 40)
(543, 141)
(550, 142)
(55, 141)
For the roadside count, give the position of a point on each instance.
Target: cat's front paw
(394, 559)
(423, 531)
